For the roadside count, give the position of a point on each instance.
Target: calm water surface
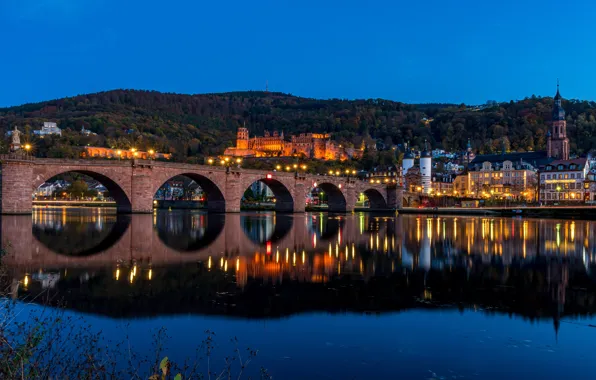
(325, 296)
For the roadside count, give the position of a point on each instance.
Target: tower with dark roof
(557, 144)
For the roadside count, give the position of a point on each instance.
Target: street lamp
(278, 167)
(210, 161)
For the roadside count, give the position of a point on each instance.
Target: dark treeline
(195, 126)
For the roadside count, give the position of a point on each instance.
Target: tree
(79, 188)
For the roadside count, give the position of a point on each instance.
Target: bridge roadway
(133, 184)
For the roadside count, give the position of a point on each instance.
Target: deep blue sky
(411, 51)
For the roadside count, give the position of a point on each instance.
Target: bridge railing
(17, 156)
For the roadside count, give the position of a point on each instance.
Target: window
(571, 166)
(548, 176)
(572, 175)
(543, 177)
(566, 176)
(560, 167)
(547, 195)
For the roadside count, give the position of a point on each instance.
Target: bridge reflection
(268, 265)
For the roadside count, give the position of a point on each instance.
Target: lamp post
(27, 148)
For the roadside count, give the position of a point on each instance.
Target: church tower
(557, 144)
(242, 138)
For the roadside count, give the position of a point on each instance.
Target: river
(322, 296)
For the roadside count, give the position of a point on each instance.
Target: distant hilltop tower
(426, 169)
(557, 144)
(242, 137)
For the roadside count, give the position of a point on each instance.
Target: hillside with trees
(195, 126)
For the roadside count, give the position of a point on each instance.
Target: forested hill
(193, 126)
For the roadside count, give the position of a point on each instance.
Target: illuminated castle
(309, 145)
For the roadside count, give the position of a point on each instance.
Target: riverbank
(584, 212)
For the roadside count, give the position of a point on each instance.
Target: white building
(45, 190)
(426, 171)
(49, 128)
(87, 132)
(563, 181)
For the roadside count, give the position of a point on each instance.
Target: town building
(442, 184)
(515, 174)
(47, 189)
(590, 188)
(101, 152)
(417, 178)
(564, 181)
(309, 145)
(505, 180)
(49, 128)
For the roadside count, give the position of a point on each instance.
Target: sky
(410, 51)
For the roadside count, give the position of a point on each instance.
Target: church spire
(558, 95)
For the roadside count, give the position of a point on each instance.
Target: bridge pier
(142, 191)
(15, 190)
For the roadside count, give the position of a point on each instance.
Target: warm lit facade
(310, 145)
(100, 152)
(564, 180)
(442, 185)
(505, 180)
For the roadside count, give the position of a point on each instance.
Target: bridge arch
(69, 241)
(188, 232)
(336, 200)
(256, 229)
(116, 187)
(376, 199)
(214, 194)
(284, 201)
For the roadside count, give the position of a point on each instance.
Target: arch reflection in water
(78, 232)
(187, 231)
(262, 228)
(396, 262)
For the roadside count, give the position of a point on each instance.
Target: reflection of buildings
(259, 229)
(360, 262)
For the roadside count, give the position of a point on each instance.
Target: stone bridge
(133, 184)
